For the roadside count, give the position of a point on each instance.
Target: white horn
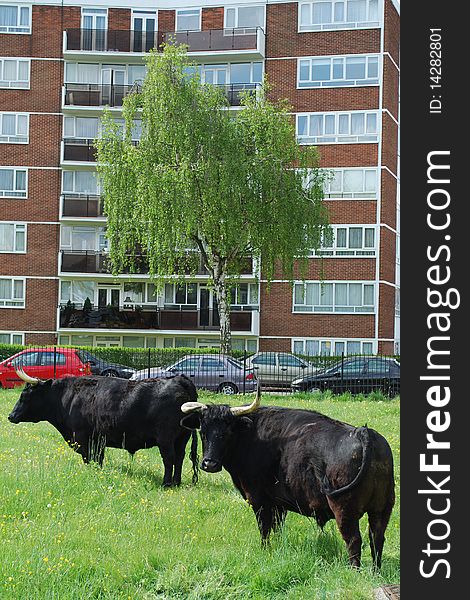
(188, 407)
(22, 375)
(245, 410)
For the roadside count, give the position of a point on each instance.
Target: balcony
(224, 42)
(79, 150)
(91, 94)
(152, 317)
(92, 261)
(82, 206)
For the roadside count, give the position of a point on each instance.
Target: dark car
(222, 374)
(100, 366)
(358, 375)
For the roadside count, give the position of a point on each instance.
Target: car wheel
(110, 373)
(228, 389)
(313, 389)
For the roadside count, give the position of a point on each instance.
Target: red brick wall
(42, 203)
(337, 268)
(166, 20)
(43, 150)
(392, 31)
(389, 142)
(276, 318)
(348, 155)
(41, 308)
(40, 260)
(282, 75)
(386, 313)
(275, 345)
(45, 91)
(351, 211)
(390, 87)
(119, 18)
(40, 339)
(388, 208)
(387, 255)
(212, 18)
(283, 39)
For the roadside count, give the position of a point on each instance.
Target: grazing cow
(283, 459)
(94, 412)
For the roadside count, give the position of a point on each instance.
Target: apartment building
(63, 61)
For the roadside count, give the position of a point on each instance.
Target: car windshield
(235, 363)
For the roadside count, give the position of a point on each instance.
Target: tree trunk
(223, 303)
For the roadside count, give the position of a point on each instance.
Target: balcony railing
(102, 40)
(234, 91)
(151, 317)
(94, 94)
(79, 150)
(92, 261)
(82, 206)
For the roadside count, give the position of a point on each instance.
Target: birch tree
(230, 184)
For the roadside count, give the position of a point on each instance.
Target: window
(352, 183)
(51, 358)
(12, 293)
(212, 364)
(332, 347)
(14, 128)
(188, 364)
(133, 293)
(15, 19)
(82, 73)
(338, 71)
(94, 26)
(25, 359)
(267, 358)
(176, 295)
(14, 73)
(188, 20)
(13, 182)
(339, 297)
(12, 237)
(81, 127)
(246, 17)
(12, 338)
(80, 238)
(80, 182)
(349, 240)
(345, 14)
(244, 294)
(337, 127)
(77, 291)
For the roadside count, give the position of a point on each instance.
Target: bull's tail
(194, 457)
(362, 433)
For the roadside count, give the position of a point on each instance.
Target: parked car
(208, 371)
(44, 363)
(278, 369)
(358, 375)
(99, 366)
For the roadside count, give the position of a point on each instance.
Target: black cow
(94, 412)
(283, 459)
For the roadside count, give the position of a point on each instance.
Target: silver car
(278, 369)
(212, 372)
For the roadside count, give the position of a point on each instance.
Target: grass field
(75, 532)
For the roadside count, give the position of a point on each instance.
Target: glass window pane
(250, 16)
(339, 348)
(355, 294)
(298, 293)
(367, 348)
(357, 11)
(304, 71)
(316, 125)
(355, 237)
(373, 10)
(192, 293)
(341, 294)
(353, 180)
(21, 180)
(187, 20)
(257, 72)
(370, 184)
(312, 347)
(343, 124)
(341, 237)
(298, 347)
(305, 11)
(329, 124)
(369, 237)
(321, 12)
(373, 67)
(229, 17)
(357, 123)
(355, 68)
(169, 288)
(338, 68)
(8, 124)
(339, 12)
(371, 123)
(368, 295)
(320, 69)
(302, 125)
(240, 73)
(326, 296)
(312, 294)
(353, 347)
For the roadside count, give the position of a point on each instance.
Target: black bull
(92, 413)
(284, 459)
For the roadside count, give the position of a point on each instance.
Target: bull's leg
(349, 528)
(180, 447)
(168, 457)
(377, 524)
(270, 518)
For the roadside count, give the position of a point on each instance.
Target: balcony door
(208, 311)
(94, 28)
(112, 81)
(108, 296)
(144, 27)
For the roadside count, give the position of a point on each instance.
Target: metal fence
(239, 373)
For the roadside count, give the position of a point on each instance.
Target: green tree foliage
(208, 179)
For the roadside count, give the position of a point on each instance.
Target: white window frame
(186, 303)
(14, 139)
(332, 342)
(354, 309)
(20, 302)
(244, 30)
(335, 251)
(66, 236)
(16, 29)
(355, 195)
(338, 82)
(338, 25)
(187, 10)
(74, 191)
(15, 84)
(16, 228)
(251, 295)
(91, 12)
(4, 193)
(11, 334)
(337, 137)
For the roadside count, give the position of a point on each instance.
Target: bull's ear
(191, 421)
(244, 423)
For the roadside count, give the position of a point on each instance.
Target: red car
(44, 363)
